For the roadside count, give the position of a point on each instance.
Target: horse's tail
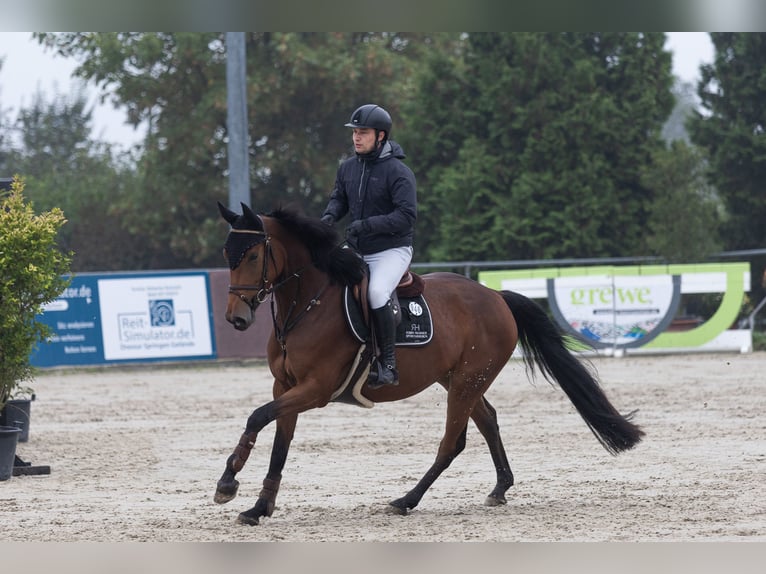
(544, 345)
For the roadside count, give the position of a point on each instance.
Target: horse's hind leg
(448, 450)
(452, 444)
(485, 418)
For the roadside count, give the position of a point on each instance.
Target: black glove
(328, 219)
(355, 228)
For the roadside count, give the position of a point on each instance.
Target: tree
(538, 141)
(675, 127)
(732, 128)
(685, 216)
(5, 143)
(301, 89)
(64, 168)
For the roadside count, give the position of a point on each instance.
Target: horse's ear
(250, 216)
(227, 213)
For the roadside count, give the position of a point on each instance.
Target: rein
(280, 333)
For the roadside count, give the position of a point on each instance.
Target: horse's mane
(328, 251)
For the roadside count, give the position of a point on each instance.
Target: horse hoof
(226, 491)
(246, 519)
(495, 501)
(394, 507)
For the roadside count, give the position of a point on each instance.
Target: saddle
(414, 328)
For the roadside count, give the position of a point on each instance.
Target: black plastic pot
(8, 438)
(16, 413)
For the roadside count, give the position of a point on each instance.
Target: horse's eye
(252, 257)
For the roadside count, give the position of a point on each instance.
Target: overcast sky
(27, 69)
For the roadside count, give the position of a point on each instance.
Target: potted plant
(34, 272)
(17, 410)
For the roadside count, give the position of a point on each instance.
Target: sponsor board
(618, 308)
(118, 318)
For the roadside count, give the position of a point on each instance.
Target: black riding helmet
(371, 116)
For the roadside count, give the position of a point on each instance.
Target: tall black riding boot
(385, 331)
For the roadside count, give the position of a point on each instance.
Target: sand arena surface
(135, 454)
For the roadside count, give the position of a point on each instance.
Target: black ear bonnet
(246, 232)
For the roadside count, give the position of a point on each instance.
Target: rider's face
(364, 140)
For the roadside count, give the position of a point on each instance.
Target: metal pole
(239, 169)
(751, 317)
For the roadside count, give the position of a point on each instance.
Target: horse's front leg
(264, 506)
(285, 410)
(228, 485)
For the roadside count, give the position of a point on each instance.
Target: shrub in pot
(34, 272)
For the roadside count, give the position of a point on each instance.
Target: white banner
(614, 309)
(155, 317)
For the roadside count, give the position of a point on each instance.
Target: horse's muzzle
(240, 314)
(240, 324)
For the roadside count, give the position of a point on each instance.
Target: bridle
(263, 290)
(266, 287)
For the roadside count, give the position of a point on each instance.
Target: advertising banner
(632, 308)
(75, 320)
(155, 317)
(615, 310)
(120, 318)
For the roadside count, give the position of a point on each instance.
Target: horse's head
(257, 249)
(248, 252)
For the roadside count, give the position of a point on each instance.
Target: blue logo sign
(161, 313)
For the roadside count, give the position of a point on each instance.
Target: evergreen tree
(675, 127)
(685, 216)
(731, 127)
(537, 143)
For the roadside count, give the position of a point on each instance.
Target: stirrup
(377, 379)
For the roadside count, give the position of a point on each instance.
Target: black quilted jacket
(382, 193)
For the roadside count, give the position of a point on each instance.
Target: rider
(379, 192)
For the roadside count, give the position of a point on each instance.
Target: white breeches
(386, 268)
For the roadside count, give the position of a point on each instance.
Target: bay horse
(302, 265)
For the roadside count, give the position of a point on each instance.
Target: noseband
(263, 290)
